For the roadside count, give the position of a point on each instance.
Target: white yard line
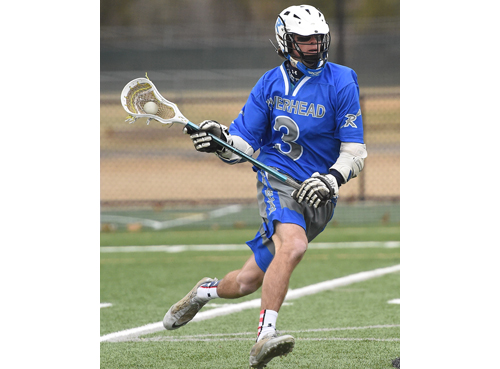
(229, 247)
(105, 304)
(155, 224)
(213, 305)
(164, 338)
(213, 335)
(128, 334)
(344, 328)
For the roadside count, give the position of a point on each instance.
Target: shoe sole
(279, 346)
(184, 304)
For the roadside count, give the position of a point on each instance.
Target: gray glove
(203, 142)
(317, 190)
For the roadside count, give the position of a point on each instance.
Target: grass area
(232, 236)
(228, 355)
(352, 326)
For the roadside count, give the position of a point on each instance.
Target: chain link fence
(150, 174)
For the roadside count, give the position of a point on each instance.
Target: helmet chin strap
(293, 61)
(310, 72)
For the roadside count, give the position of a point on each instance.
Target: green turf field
(225, 236)
(350, 326)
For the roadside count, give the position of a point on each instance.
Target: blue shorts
(277, 205)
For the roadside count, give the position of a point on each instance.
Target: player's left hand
(317, 190)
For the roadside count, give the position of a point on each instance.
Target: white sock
(208, 291)
(267, 323)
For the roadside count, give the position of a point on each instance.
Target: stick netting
(142, 93)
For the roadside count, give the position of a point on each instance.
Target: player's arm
(349, 131)
(350, 162)
(203, 142)
(247, 130)
(321, 188)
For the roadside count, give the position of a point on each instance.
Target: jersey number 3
(292, 134)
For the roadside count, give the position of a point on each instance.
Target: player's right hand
(202, 141)
(318, 190)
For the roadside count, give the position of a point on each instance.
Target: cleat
(184, 311)
(269, 347)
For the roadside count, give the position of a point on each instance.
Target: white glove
(203, 142)
(317, 190)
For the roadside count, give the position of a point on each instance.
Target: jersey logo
(270, 200)
(350, 120)
(297, 107)
(314, 74)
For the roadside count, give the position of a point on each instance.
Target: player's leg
(290, 243)
(278, 247)
(242, 282)
(235, 284)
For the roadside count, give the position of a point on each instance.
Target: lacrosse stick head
(138, 92)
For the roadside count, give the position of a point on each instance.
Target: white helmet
(303, 20)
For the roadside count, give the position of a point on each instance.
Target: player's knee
(293, 249)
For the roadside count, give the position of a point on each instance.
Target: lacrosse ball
(150, 107)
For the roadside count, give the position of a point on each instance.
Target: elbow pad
(238, 143)
(351, 160)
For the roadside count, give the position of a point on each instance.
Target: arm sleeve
(350, 132)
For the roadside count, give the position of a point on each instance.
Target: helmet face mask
(310, 49)
(295, 28)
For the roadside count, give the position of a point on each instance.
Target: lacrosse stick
(141, 90)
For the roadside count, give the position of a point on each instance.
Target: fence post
(340, 55)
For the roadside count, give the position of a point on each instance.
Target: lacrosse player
(305, 118)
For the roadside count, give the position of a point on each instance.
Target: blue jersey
(298, 128)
